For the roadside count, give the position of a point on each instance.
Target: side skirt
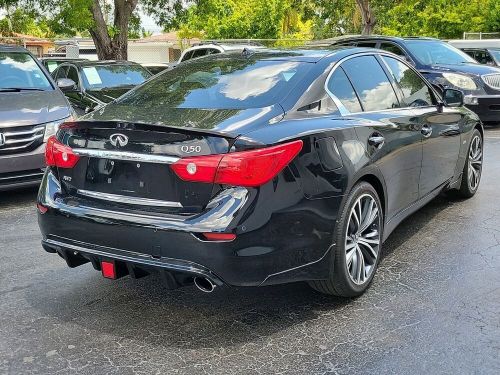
(399, 217)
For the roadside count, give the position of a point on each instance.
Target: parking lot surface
(433, 307)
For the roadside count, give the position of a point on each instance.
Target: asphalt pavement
(434, 306)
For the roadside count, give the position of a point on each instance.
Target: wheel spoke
(362, 239)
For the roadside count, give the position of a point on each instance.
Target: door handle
(426, 130)
(376, 140)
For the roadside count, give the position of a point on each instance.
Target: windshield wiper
(18, 89)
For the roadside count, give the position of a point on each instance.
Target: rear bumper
(23, 169)
(293, 246)
(487, 107)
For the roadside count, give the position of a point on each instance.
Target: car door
(440, 127)
(364, 91)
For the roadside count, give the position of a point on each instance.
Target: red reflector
(108, 270)
(244, 168)
(42, 209)
(59, 155)
(219, 236)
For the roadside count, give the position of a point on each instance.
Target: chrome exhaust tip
(204, 284)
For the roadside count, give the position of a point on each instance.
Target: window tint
(60, 73)
(73, 74)
(415, 92)
(340, 86)
(224, 83)
(389, 47)
(199, 53)
(187, 56)
(436, 52)
(367, 44)
(370, 83)
(483, 57)
(212, 51)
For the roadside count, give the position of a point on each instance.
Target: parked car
(488, 56)
(445, 67)
(212, 48)
(31, 109)
(257, 169)
(51, 63)
(95, 83)
(155, 68)
(485, 51)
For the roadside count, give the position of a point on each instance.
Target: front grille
(20, 139)
(31, 175)
(492, 80)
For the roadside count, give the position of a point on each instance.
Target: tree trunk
(112, 47)
(367, 16)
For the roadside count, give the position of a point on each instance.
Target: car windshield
(18, 70)
(431, 52)
(113, 76)
(221, 83)
(496, 55)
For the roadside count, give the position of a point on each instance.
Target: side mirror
(453, 98)
(66, 84)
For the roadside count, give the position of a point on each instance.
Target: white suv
(206, 49)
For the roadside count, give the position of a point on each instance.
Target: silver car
(31, 109)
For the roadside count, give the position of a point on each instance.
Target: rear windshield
(19, 70)
(222, 83)
(431, 52)
(113, 76)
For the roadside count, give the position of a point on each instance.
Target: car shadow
(186, 318)
(11, 198)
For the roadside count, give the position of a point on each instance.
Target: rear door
(387, 132)
(440, 129)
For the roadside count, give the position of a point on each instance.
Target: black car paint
(284, 228)
(488, 108)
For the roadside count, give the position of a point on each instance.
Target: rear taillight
(245, 168)
(59, 155)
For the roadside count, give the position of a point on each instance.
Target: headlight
(460, 81)
(51, 127)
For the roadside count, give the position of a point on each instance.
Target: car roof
(308, 55)
(379, 37)
(12, 48)
(54, 58)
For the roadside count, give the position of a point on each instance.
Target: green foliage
(25, 22)
(442, 18)
(236, 19)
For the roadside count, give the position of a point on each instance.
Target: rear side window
(389, 47)
(340, 86)
(415, 92)
(370, 83)
(367, 44)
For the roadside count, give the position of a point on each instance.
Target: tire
(349, 244)
(473, 168)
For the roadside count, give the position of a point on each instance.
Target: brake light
(210, 236)
(59, 155)
(245, 168)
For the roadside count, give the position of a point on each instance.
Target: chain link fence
(481, 36)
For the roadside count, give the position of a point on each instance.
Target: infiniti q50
(257, 168)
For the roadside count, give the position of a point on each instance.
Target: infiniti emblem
(2, 139)
(118, 139)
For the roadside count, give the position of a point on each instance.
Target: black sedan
(256, 169)
(445, 67)
(91, 84)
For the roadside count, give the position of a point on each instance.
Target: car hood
(108, 95)
(228, 122)
(470, 68)
(32, 107)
